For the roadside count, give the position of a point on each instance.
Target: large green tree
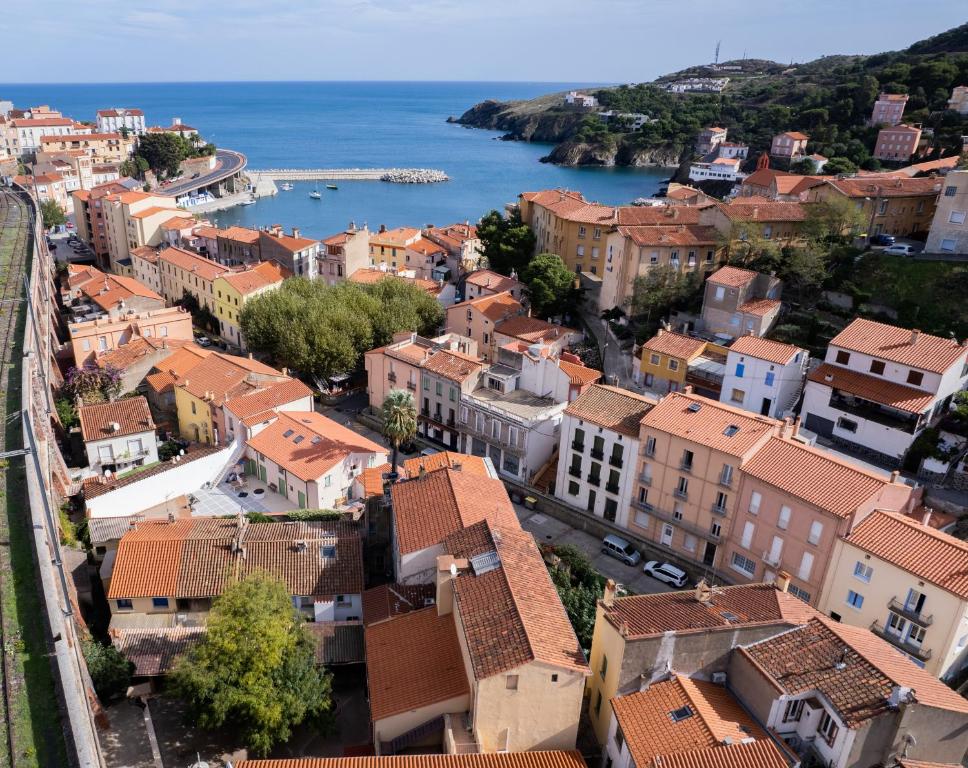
(551, 285)
(52, 214)
(399, 421)
(506, 242)
(255, 669)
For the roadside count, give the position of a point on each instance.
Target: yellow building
(234, 289)
(389, 246)
(181, 272)
(907, 582)
(101, 147)
(566, 224)
(666, 360)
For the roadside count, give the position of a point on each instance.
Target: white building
(699, 84)
(880, 386)
(598, 451)
(27, 133)
(720, 169)
(764, 376)
(732, 149)
(113, 120)
(949, 227)
(118, 435)
(578, 99)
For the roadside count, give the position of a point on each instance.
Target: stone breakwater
(392, 175)
(414, 176)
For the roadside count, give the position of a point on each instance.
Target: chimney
(687, 390)
(447, 570)
(895, 475)
(608, 599)
(457, 466)
(914, 336)
(242, 523)
(422, 470)
(784, 427)
(795, 431)
(383, 228)
(926, 517)
(782, 581)
(703, 593)
(295, 232)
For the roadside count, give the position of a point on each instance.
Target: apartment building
(843, 696)
(114, 120)
(764, 376)
(89, 218)
(75, 165)
(182, 272)
(898, 143)
(793, 503)
(671, 361)
(949, 226)
(720, 169)
(179, 230)
(47, 187)
(880, 386)
(102, 148)
(236, 247)
(781, 186)
(310, 459)
(462, 244)
(906, 582)
(789, 145)
(739, 302)
(388, 247)
(604, 421)
(477, 318)
(637, 638)
(743, 218)
(132, 220)
(525, 330)
(90, 293)
(486, 282)
(234, 289)
(568, 225)
(427, 259)
(248, 414)
(688, 475)
(90, 339)
(888, 109)
(446, 376)
(118, 435)
(710, 139)
(26, 133)
(343, 254)
(891, 206)
(297, 254)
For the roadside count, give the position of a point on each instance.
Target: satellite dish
(107, 473)
(181, 451)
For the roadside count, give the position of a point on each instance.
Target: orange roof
(155, 209)
(491, 280)
(641, 616)
(271, 397)
(372, 275)
(920, 550)
(495, 307)
(765, 349)
(452, 365)
(658, 215)
(426, 247)
(131, 416)
(763, 177)
(853, 668)
(710, 423)
(429, 508)
(257, 278)
(572, 206)
(795, 135)
(619, 410)
(41, 122)
(221, 377)
(715, 716)
(861, 187)
(918, 350)
(732, 277)
(239, 234)
(815, 476)
(176, 365)
(675, 345)
(873, 388)
(388, 601)
(474, 465)
(740, 210)
(308, 445)
(763, 753)
(395, 238)
(491, 760)
(340, 238)
(192, 262)
(759, 307)
(371, 479)
(413, 662)
(288, 242)
(136, 348)
(510, 612)
(206, 231)
(666, 234)
(532, 329)
(683, 192)
(179, 222)
(578, 373)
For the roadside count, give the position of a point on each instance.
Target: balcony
(425, 412)
(412, 386)
(392, 377)
(666, 517)
(577, 446)
(645, 479)
(726, 482)
(615, 461)
(686, 466)
(680, 494)
(880, 414)
(598, 454)
(909, 613)
(594, 480)
(575, 472)
(770, 559)
(717, 509)
(923, 654)
(611, 487)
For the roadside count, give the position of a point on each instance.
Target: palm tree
(399, 421)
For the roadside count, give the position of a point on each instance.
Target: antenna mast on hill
(718, 43)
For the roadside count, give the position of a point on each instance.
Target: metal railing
(910, 613)
(898, 642)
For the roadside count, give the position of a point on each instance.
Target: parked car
(881, 240)
(620, 549)
(203, 341)
(666, 572)
(900, 249)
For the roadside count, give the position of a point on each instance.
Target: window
(816, 531)
(748, 529)
(740, 369)
(511, 682)
(124, 604)
(650, 446)
(682, 713)
(847, 425)
(793, 711)
(682, 488)
(737, 396)
(806, 565)
(573, 487)
(801, 594)
(915, 378)
(720, 293)
(673, 365)
(783, 521)
(828, 728)
(453, 394)
(914, 601)
(604, 667)
(721, 499)
(327, 481)
(159, 602)
(956, 217)
(687, 457)
(554, 678)
(863, 572)
(950, 191)
(193, 407)
(726, 476)
(654, 359)
(581, 251)
(843, 358)
(770, 378)
(689, 544)
(877, 367)
(855, 599)
(756, 498)
(619, 738)
(598, 703)
(743, 564)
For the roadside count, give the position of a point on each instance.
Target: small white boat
(315, 194)
(286, 187)
(250, 201)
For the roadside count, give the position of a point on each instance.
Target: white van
(620, 549)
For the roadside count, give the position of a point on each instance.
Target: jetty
(392, 175)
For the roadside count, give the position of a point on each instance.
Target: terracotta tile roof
(452, 365)
(206, 231)
(491, 280)
(873, 388)
(371, 479)
(572, 206)
(426, 247)
(710, 425)
(815, 476)
(765, 349)
(391, 600)
(861, 187)
(308, 445)
(906, 762)
(658, 215)
(931, 165)
(154, 651)
(396, 238)
(427, 509)
(680, 235)
(495, 307)
(221, 377)
(641, 616)
(176, 365)
(256, 279)
(755, 754)
(763, 177)
(475, 465)
(645, 718)
(510, 614)
(921, 550)
(732, 277)
(900, 345)
(155, 209)
(239, 234)
(340, 238)
(532, 329)
(759, 307)
(683, 193)
(490, 760)
(271, 397)
(131, 415)
(42, 122)
(807, 659)
(412, 662)
(578, 373)
(611, 407)
(795, 135)
(194, 557)
(147, 253)
(739, 210)
(192, 262)
(675, 344)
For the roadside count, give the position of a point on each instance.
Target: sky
(580, 41)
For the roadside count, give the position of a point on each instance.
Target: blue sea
(357, 124)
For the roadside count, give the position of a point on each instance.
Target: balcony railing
(666, 517)
(598, 454)
(879, 414)
(392, 377)
(680, 494)
(575, 472)
(645, 479)
(770, 559)
(685, 466)
(611, 487)
(576, 446)
(726, 481)
(412, 386)
(907, 647)
(595, 480)
(717, 509)
(910, 613)
(615, 461)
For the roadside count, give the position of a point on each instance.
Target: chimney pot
(608, 598)
(914, 336)
(782, 581)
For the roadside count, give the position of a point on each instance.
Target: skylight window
(694, 407)
(682, 713)
(287, 433)
(730, 617)
(316, 440)
(327, 551)
(299, 439)
(731, 430)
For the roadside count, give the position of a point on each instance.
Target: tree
(805, 166)
(656, 291)
(255, 668)
(551, 285)
(507, 244)
(110, 671)
(399, 421)
(579, 587)
(52, 213)
(836, 166)
(134, 167)
(163, 152)
(832, 219)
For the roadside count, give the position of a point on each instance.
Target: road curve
(227, 163)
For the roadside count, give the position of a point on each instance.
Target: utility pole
(718, 43)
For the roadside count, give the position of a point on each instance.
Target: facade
(710, 139)
(235, 247)
(721, 169)
(898, 143)
(344, 253)
(790, 145)
(298, 255)
(764, 376)
(119, 435)
(234, 289)
(743, 218)
(738, 302)
(89, 218)
(889, 109)
(526, 330)
(880, 386)
(427, 259)
(462, 244)
(486, 282)
(671, 361)
(604, 421)
(446, 377)
(905, 580)
(113, 120)
(893, 206)
(92, 338)
(47, 187)
(102, 148)
(27, 133)
(477, 318)
(388, 247)
(132, 220)
(959, 99)
(182, 272)
(949, 227)
(568, 225)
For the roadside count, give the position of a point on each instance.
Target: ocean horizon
(356, 124)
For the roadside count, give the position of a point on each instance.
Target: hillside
(829, 99)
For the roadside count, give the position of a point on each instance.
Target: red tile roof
(755, 754)
(491, 280)
(371, 479)
(611, 407)
(532, 329)
(732, 277)
(920, 550)
(490, 760)
(765, 349)
(572, 206)
(475, 465)
(248, 281)
(759, 307)
(900, 345)
(658, 215)
(452, 365)
(192, 262)
(131, 415)
(873, 388)
(495, 307)
(391, 600)
(675, 345)
(413, 662)
(578, 373)
(164, 375)
(269, 398)
(671, 235)
(861, 187)
(738, 210)
(154, 651)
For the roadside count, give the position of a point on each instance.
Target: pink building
(791, 145)
(888, 109)
(793, 503)
(898, 143)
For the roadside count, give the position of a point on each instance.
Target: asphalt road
(227, 163)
